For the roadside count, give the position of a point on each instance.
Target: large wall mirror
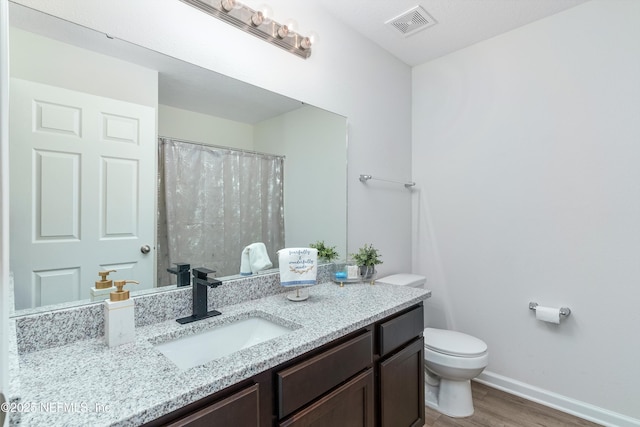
(112, 146)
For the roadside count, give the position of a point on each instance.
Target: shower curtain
(213, 202)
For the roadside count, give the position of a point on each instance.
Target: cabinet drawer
(351, 404)
(307, 380)
(241, 408)
(400, 330)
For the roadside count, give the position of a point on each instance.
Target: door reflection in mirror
(82, 190)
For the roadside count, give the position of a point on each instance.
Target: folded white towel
(254, 258)
(298, 266)
(258, 257)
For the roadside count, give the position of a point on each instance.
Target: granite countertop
(88, 383)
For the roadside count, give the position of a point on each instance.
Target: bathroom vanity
(373, 373)
(353, 354)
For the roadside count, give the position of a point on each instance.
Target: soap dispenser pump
(103, 287)
(119, 319)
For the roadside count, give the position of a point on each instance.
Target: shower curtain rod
(222, 147)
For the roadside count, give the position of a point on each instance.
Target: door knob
(145, 249)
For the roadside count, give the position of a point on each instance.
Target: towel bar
(365, 178)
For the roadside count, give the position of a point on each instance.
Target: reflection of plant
(367, 256)
(325, 252)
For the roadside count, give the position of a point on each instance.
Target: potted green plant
(367, 258)
(325, 253)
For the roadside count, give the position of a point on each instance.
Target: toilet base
(451, 398)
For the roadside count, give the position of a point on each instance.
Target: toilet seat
(453, 343)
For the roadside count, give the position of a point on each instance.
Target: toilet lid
(404, 279)
(453, 343)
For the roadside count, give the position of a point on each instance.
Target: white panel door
(83, 178)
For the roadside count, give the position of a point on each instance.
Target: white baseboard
(556, 401)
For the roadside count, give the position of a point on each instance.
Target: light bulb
(267, 13)
(228, 5)
(313, 37)
(308, 41)
(283, 31)
(292, 26)
(257, 19)
(305, 43)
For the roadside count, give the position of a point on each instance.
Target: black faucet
(182, 271)
(200, 284)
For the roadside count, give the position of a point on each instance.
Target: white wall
(44, 60)
(191, 126)
(315, 194)
(526, 152)
(345, 74)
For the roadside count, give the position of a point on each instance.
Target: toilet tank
(404, 279)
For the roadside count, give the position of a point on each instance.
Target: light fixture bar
(253, 22)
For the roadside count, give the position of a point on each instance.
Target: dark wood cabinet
(402, 387)
(371, 377)
(307, 380)
(399, 329)
(400, 369)
(350, 405)
(239, 409)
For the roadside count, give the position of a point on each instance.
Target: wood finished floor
(495, 408)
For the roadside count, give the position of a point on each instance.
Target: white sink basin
(197, 349)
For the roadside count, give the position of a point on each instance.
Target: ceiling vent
(412, 21)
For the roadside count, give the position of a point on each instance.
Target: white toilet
(451, 360)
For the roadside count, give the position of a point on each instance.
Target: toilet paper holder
(564, 311)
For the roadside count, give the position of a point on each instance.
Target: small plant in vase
(325, 253)
(367, 258)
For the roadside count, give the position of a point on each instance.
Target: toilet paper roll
(548, 314)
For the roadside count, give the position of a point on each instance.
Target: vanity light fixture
(258, 23)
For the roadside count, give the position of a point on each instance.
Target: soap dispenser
(119, 321)
(103, 287)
